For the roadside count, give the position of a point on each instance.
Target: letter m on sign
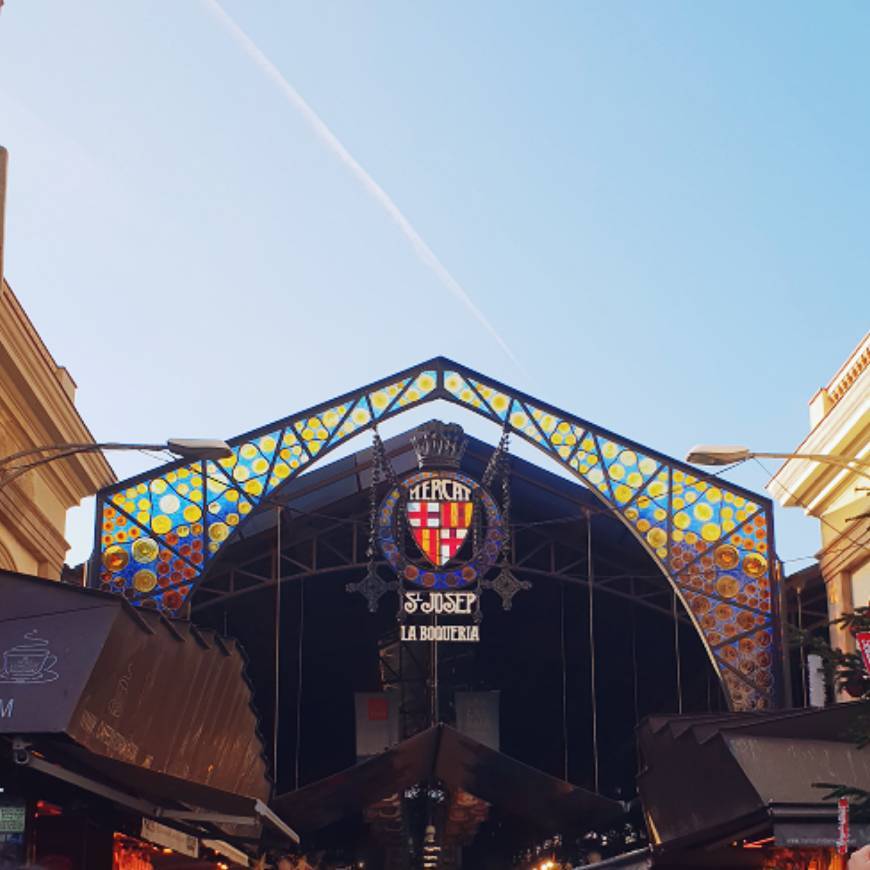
(7, 708)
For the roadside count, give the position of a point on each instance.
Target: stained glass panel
(157, 535)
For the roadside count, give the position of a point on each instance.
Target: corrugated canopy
(127, 696)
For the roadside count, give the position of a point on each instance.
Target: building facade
(37, 408)
(837, 493)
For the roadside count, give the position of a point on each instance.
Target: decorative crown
(439, 445)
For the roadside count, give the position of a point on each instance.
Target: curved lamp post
(185, 448)
(728, 454)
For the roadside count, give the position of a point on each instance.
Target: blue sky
(660, 208)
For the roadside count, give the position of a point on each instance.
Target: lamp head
(718, 454)
(199, 448)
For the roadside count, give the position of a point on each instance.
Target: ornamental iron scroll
(157, 534)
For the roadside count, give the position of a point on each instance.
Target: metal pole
(591, 585)
(433, 668)
(277, 696)
(677, 658)
(564, 680)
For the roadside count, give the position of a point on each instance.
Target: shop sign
(163, 835)
(441, 532)
(13, 818)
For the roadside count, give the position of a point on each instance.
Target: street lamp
(184, 448)
(728, 454)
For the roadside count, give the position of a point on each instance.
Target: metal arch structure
(158, 534)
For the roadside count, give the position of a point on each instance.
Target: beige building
(837, 495)
(37, 408)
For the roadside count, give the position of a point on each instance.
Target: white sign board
(162, 835)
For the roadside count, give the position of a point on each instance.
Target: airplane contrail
(424, 253)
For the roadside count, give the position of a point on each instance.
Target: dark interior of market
(644, 653)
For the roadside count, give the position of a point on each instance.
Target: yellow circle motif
(609, 449)
(260, 466)
(616, 471)
(161, 524)
(631, 513)
(240, 472)
(628, 458)
(657, 537)
(115, 558)
(647, 465)
(232, 519)
(253, 487)
(232, 495)
(144, 580)
(711, 532)
(145, 550)
(182, 531)
(682, 520)
(218, 531)
(380, 400)
(622, 493)
(360, 416)
(634, 480)
(281, 470)
(643, 525)
(426, 383)
(656, 488)
(703, 512)
(191, 513)
(660, 514)
(244, 507)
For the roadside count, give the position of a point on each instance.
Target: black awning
(742, 770)
(126, 693)
(443, 754)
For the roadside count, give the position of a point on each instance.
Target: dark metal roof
(119, 689)
(458, 761)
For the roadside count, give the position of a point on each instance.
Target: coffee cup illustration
(29, 661)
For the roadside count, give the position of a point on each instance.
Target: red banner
(863, 641)
(843, 826)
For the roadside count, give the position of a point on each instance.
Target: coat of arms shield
(439, 513)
